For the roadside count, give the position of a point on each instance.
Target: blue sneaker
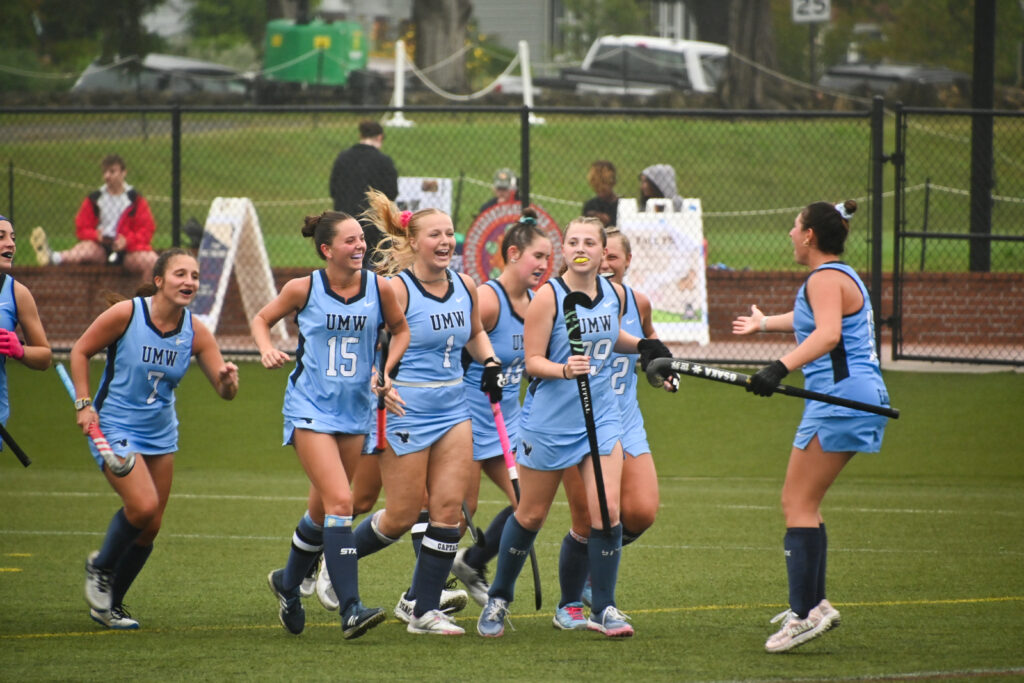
(587, 593)
(570, 617)
(357, 619)
(610, 622)
(291, 614)
(492, 619)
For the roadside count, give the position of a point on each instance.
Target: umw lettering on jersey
(517, 342)
(602, 323)
(336, 321)
(155, 356)
(447, 321)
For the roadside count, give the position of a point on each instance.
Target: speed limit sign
(811, 11)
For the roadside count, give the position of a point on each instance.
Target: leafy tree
(225, 23)
(591, 19)
(441, 27)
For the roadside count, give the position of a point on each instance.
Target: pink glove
(10, 345)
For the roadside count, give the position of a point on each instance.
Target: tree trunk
(440, 33)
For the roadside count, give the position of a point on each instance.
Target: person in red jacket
(113, 225)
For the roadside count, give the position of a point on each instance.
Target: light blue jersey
(507, 340)
(851, 369)
(135, 400)
(634, 436)
(329, 389)
(429, 377)
(552, 430)
(8, 321)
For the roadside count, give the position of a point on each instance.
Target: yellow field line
(534, 615)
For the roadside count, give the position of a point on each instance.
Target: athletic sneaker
(474, 579)
(588, 592)
(796, 631)
(308, 584)
(610, 622)
(570, 617)
(41, 245)
(452, 601)
(97, 584)
(116, 618)
(291, 614)
(325, 589)
(830, 614)
(491, 623)
(357, 619)
(435, 622)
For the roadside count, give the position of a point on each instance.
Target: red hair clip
(404, 217)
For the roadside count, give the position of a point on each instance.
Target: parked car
(891, 80)
(163, 74)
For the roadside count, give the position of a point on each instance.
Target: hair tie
(404, 218)
(528, 220)
(841, 208)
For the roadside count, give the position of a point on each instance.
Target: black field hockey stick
(117, 465)
(572, 326)
(659, 368)
(474, 533)
(382, 414)
(9, 440)
(513, 475)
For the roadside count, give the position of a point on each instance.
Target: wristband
(491, 359)
(565, 374)
(764, 323)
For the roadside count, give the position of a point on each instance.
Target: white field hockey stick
(660, 368)
(118, 466)
(513, 474)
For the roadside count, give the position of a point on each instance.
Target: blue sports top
(550, 402)
(143, 368)
(8, 321)
(624, 364)
(438, 329)
(335, 356)
(851, 369)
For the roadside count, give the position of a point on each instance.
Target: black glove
(491, 382)
(649, 350)
(765, 380)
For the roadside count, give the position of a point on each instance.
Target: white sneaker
(41, 246)
(308, 582)
(97, 585)
(830, 614)
(796, 631)
(452, 601)
(116, 618)
(435, 622)
(474, 579)
(325, 589)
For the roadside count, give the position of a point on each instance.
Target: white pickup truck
(639, 65)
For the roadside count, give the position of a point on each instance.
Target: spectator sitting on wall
(113, 225)
(504, 189)
(657, 182)
(604, 206)
(357, 170)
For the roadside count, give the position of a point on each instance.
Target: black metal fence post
(524, 156)
(176, 176)
(878, 160)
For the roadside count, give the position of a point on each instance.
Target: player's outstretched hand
(767, 379)
(274, 358)
(748, 324)
(10, 345)
(228, 380)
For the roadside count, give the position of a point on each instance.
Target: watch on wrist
(81, 403)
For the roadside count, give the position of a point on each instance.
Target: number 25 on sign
(811, 11)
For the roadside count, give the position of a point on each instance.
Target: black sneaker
(292, 615)
(357, 620)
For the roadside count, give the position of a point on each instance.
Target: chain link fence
(751, 172)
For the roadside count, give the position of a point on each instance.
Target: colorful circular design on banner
(481, 255)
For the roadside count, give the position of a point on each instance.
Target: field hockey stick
(382, 414)
(474, 533)
(660, 367)
(117, 465)
(513, 474)
(572, 326)
(9, 440)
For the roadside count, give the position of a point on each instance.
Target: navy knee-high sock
(129, 566)
(369, 538)
(477, 556)
(121, 535)
(803, 555)
(573, 566)
(516, 541)
(604, 551)
(341, 559)
(630, 536)
(820, 593)
(433, 566)
(307, 542)
(416, 534)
